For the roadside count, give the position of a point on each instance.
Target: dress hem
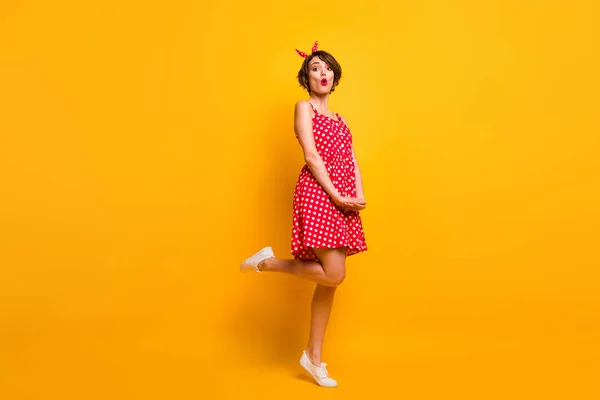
(349, 252)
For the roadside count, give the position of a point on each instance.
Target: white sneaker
(319, 372)
(251, 263)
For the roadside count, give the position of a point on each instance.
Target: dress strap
(313, 107)
(338, 117)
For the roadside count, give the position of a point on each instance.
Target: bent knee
(337, 278)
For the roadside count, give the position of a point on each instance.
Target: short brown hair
(325, 57)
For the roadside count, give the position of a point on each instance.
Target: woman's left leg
(322, 303)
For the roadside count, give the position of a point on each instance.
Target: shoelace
(322, 371)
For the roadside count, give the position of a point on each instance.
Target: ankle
(264, 264)
(313, 356)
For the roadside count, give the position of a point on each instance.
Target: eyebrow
(316, 62)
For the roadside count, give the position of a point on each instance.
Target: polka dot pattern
(314, 48)
(318, 222)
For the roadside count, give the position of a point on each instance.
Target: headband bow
(314, 48)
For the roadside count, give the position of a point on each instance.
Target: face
(320, 76)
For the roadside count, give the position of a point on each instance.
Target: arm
(303, 129)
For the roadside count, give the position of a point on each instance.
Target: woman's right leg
(319, 272)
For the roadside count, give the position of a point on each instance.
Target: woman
(327, 199)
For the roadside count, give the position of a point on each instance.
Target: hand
(350, 203)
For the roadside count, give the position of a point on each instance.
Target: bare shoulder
(302, 109)
(302, 105)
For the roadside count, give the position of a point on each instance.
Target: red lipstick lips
(323, 82)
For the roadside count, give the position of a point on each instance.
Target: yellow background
(147, 148)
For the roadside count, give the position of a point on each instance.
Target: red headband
(314, 48)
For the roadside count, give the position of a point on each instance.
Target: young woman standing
(327, 199)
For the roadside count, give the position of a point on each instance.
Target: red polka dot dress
(318, 222)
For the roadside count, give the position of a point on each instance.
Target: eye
(329, 68)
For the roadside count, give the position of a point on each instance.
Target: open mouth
(323, 82)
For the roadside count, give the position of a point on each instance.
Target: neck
(320, 101)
